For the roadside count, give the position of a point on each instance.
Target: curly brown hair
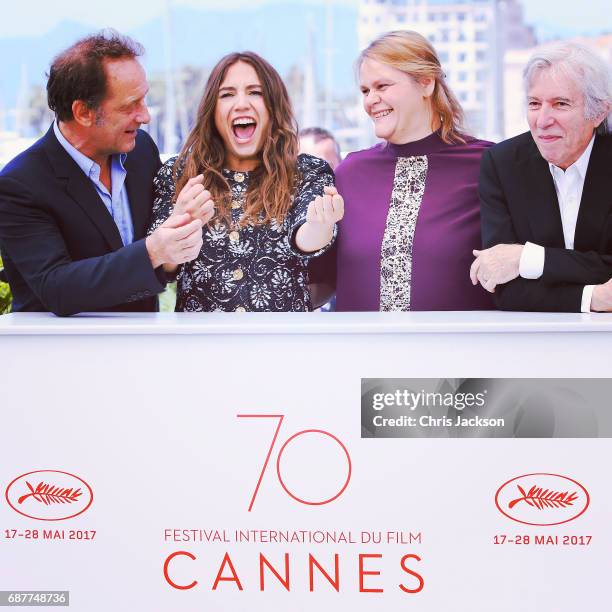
(272, 183)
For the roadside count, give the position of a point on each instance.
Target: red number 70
(280, 418)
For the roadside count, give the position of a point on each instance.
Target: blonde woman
(412, 212)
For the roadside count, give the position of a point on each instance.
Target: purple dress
(412, 218)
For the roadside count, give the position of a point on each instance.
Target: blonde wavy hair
(413, 54)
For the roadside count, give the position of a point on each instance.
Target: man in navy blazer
(546, 196)
(75, 207)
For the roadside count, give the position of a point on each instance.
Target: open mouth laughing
(381, 114)
(244, 128)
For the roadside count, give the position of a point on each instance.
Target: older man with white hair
(546, 195)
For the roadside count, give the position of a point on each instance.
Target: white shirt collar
(581, 164)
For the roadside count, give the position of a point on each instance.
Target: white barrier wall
(219, 465)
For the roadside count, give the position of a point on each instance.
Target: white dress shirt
(568, 185)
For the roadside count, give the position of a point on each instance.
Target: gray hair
(585, 68)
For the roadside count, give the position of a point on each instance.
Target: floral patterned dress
(249, 268)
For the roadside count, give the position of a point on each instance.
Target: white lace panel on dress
(396, 249)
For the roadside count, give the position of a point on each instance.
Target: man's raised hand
(176, 241)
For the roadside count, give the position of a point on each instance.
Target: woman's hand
(322, 214)
(195, 201)
(327, 209)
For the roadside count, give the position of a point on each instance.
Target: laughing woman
(267, 210)
(412, 214)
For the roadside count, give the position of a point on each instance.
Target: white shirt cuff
(587, 295)
(531, 264)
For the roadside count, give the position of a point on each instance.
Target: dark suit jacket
(519, 204)
(61, 248)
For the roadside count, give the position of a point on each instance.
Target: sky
(35, 17)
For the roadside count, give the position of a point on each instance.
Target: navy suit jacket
(519, 204)
(61, 249)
